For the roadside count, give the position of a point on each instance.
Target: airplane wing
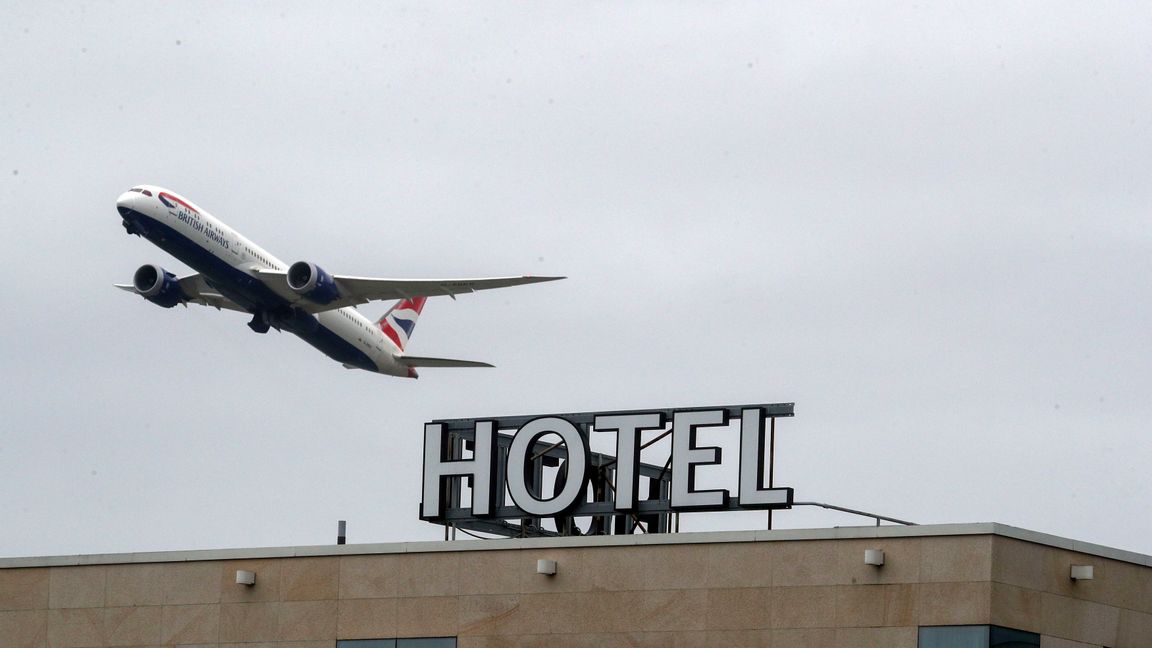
(361, 290)
(198, 292)
(416, 361)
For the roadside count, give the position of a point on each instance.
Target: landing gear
(259, 322)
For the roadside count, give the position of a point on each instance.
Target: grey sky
(927, 226)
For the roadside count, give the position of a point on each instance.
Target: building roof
(496, 544)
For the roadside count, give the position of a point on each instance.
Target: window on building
(976, 636)
(413, 642)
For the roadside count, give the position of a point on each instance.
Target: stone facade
(766, 588)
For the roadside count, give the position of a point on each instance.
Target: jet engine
(158, 286)
(310, 280)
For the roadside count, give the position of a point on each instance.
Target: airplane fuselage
(229, 263)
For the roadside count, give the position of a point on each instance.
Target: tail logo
(399, 322)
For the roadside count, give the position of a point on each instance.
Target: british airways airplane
(236, 274)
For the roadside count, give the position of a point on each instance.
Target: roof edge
(509, 544)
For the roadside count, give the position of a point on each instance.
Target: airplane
(233, 273)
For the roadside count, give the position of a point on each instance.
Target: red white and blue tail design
(400, 320)
(398, 323)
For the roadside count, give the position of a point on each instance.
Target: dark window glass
(420, 642)
(1009, 638)
(954, 637)
(976, 636)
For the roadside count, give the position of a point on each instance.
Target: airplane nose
(129, 201)
(124, 203)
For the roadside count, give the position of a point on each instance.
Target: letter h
(438, 469)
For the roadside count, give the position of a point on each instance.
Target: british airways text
(192, 220)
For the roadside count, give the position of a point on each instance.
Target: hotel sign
(507, 472)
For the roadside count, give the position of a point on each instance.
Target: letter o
(574, 482)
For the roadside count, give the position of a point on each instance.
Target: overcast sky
(927, 226)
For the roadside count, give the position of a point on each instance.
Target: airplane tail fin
(400, 320)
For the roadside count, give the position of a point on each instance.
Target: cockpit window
(143, 191)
